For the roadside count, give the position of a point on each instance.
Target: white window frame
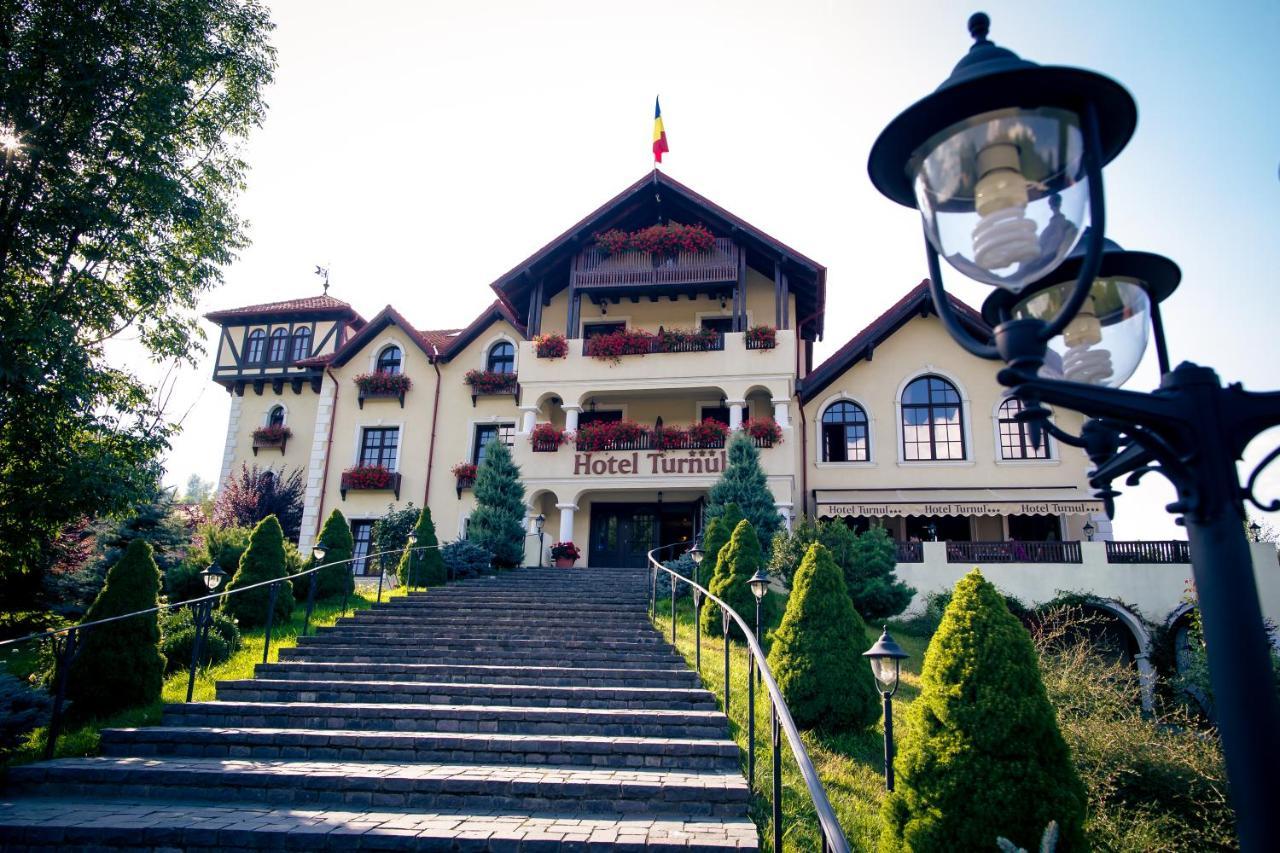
(966, 422)
(359, 440)
(845, 396)
(1051, 459)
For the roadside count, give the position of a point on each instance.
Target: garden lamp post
(931, 530)
(697, 554)
(1255, 530)
(1004, 160)
(1088, 530)
(539, 522)
(412, 541)
(886, 658)
(202, 618)
(317, 554)
(759, 583)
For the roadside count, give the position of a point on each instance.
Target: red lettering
(598, 467)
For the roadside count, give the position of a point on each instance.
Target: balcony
(1013, 552)
(1149, 552)
(595, 268)
(273, 436)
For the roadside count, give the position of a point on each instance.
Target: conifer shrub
(497, 524)
(337, 577)
(178, 637)
(263, 560)
(743, 483)
(982, 755)
(738, 561)
(422, 565)
(816, 655)
(869, 576)
(715, 538)
(119, 664)
(464, 558)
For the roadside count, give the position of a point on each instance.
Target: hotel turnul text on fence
(600, 366)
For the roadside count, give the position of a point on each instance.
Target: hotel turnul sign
(641, 463)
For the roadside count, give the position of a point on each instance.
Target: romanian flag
(659, 133)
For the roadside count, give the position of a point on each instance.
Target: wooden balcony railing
(645, 441)
(595, 268)
(910, 552)
(1174, 551)
(1013, 552)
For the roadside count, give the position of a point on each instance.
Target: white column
(566, 521)
(233, 430)
(571, 417)
(782, 413)
(1102, 530)
(735, 414)
(530, 416)
(316, 467)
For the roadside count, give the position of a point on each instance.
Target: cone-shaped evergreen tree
(738, 561)
(263, 560)
(875, 589)
(422, 564)
(498, 521)
(338, 575)
(120, 665)
(982, 755)
(715, 538)
(817, 651)
(743, 483)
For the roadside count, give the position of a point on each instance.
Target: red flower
(762, 337)
(546, 437)
(272, 434)
(565, 550)
(669, 239)
(489, 382)
(464, 471)
(622, 342)
(551, 345)
(765, 431)
(382, 384)
(709, 433)
(366, 477)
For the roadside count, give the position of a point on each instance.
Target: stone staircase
(535, 710)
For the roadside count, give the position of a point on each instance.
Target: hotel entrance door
(623, 534)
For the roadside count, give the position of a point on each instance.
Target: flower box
(550, 345)
(547, 439)
(762, 337)
(565, 554)
(689, 340)
(710, 433)
(765, 432)
(271, 436)
(486, 382)
(370, 478)
(382, 386)
(659, 240)
(465, 474)
(612, 435)
(613, 346)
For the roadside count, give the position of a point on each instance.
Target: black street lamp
(931, 530)
(1255, 530)
(1088, 530)
(317, 554)
(886, 658)
(539, 521)
(759, 583)
(202, 618)
(697, 554)
(1003, 160)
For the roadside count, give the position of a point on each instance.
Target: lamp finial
(979, 26)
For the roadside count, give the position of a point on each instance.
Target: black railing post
(346, 590)
(888, 741)
(777, 783)
(673, 610)
(697, 622)
(653, 592)
(203, 619)
(382, 574)
(724, 619)
(64, 652)
(751, 722)
(311, 603)
(271, 618)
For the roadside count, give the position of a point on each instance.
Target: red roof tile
(324, 303)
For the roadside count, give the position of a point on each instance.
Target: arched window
(932, 427)
(389, 360)
(1015, 438)
(301, 344)
(276, 417)
(279, 346)
(844, 433)
(502, 358)
(254, 350)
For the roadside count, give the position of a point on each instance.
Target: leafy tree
(338, 576)
(116, 213)
(263, 560)
(221, 545)
(869, 576)
(743, 482)
(391, 533)
(119, 665)
(982, 756)
(715, 538)
(816, 655)
(253, 494)
(423, 566)
(498, 521)
(737, 562)
(199, 490)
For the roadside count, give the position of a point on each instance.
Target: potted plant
(465, 474)
(546, 438)
(765, 432)
(374, 385)
(762, 337)
(490, 382)
(565, 554)
(662, 241)
(550, 345)
(669, 438)
(369, 478)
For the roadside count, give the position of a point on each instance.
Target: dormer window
(502, 358)
(279, 346)
(390, 360)
(301, 344)
(253, 352)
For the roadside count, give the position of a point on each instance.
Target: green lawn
(81, 738)
(849, 765)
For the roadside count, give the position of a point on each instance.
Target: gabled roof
(437, 344)
(324, 306)
(658, 194)
(918, 302)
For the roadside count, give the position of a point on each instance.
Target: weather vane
(323, 272)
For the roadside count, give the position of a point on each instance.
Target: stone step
(414, 786)
(40, 824)
(559, 676)
(359, 716)
(546, 656)
(410, 630)
(405, 747)
(411, 692)
(489, 618)
(642, 645)
(525, 609)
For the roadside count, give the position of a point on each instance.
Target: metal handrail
(833, 837)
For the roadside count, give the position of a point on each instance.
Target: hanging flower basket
(762, 337)
(547, 439)
(765, 432)
(271, 436)
(465, 474)
(371, 478)
(565, 554)
(550, 345)
(382, 385)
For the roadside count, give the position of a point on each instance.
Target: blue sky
(422, 149)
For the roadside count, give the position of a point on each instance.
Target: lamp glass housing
(886, 670)
(1004, 194)
(1103, 344)
(538, 521)
(318, 552)
(759, 584)
(212, 577)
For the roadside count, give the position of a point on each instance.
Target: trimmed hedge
(178, 632)
(816, 655)
(715, 538)
(422, 565)
(119, 664)
(263, 560)
(337, 577)
(982, 755)
(739, 560)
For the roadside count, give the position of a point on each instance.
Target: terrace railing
(1174, 551)
(833, 837)
(1013, 552)
(647, 441)
(910, 552)
(596, 268)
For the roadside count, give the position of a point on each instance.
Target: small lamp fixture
(1255, 530)
(886, 658)
(213, 577)
(539, 521)
(759, 583)
(932, 530)
(413, 539)
(318, 553)
(696, 553)
(1088, 530)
